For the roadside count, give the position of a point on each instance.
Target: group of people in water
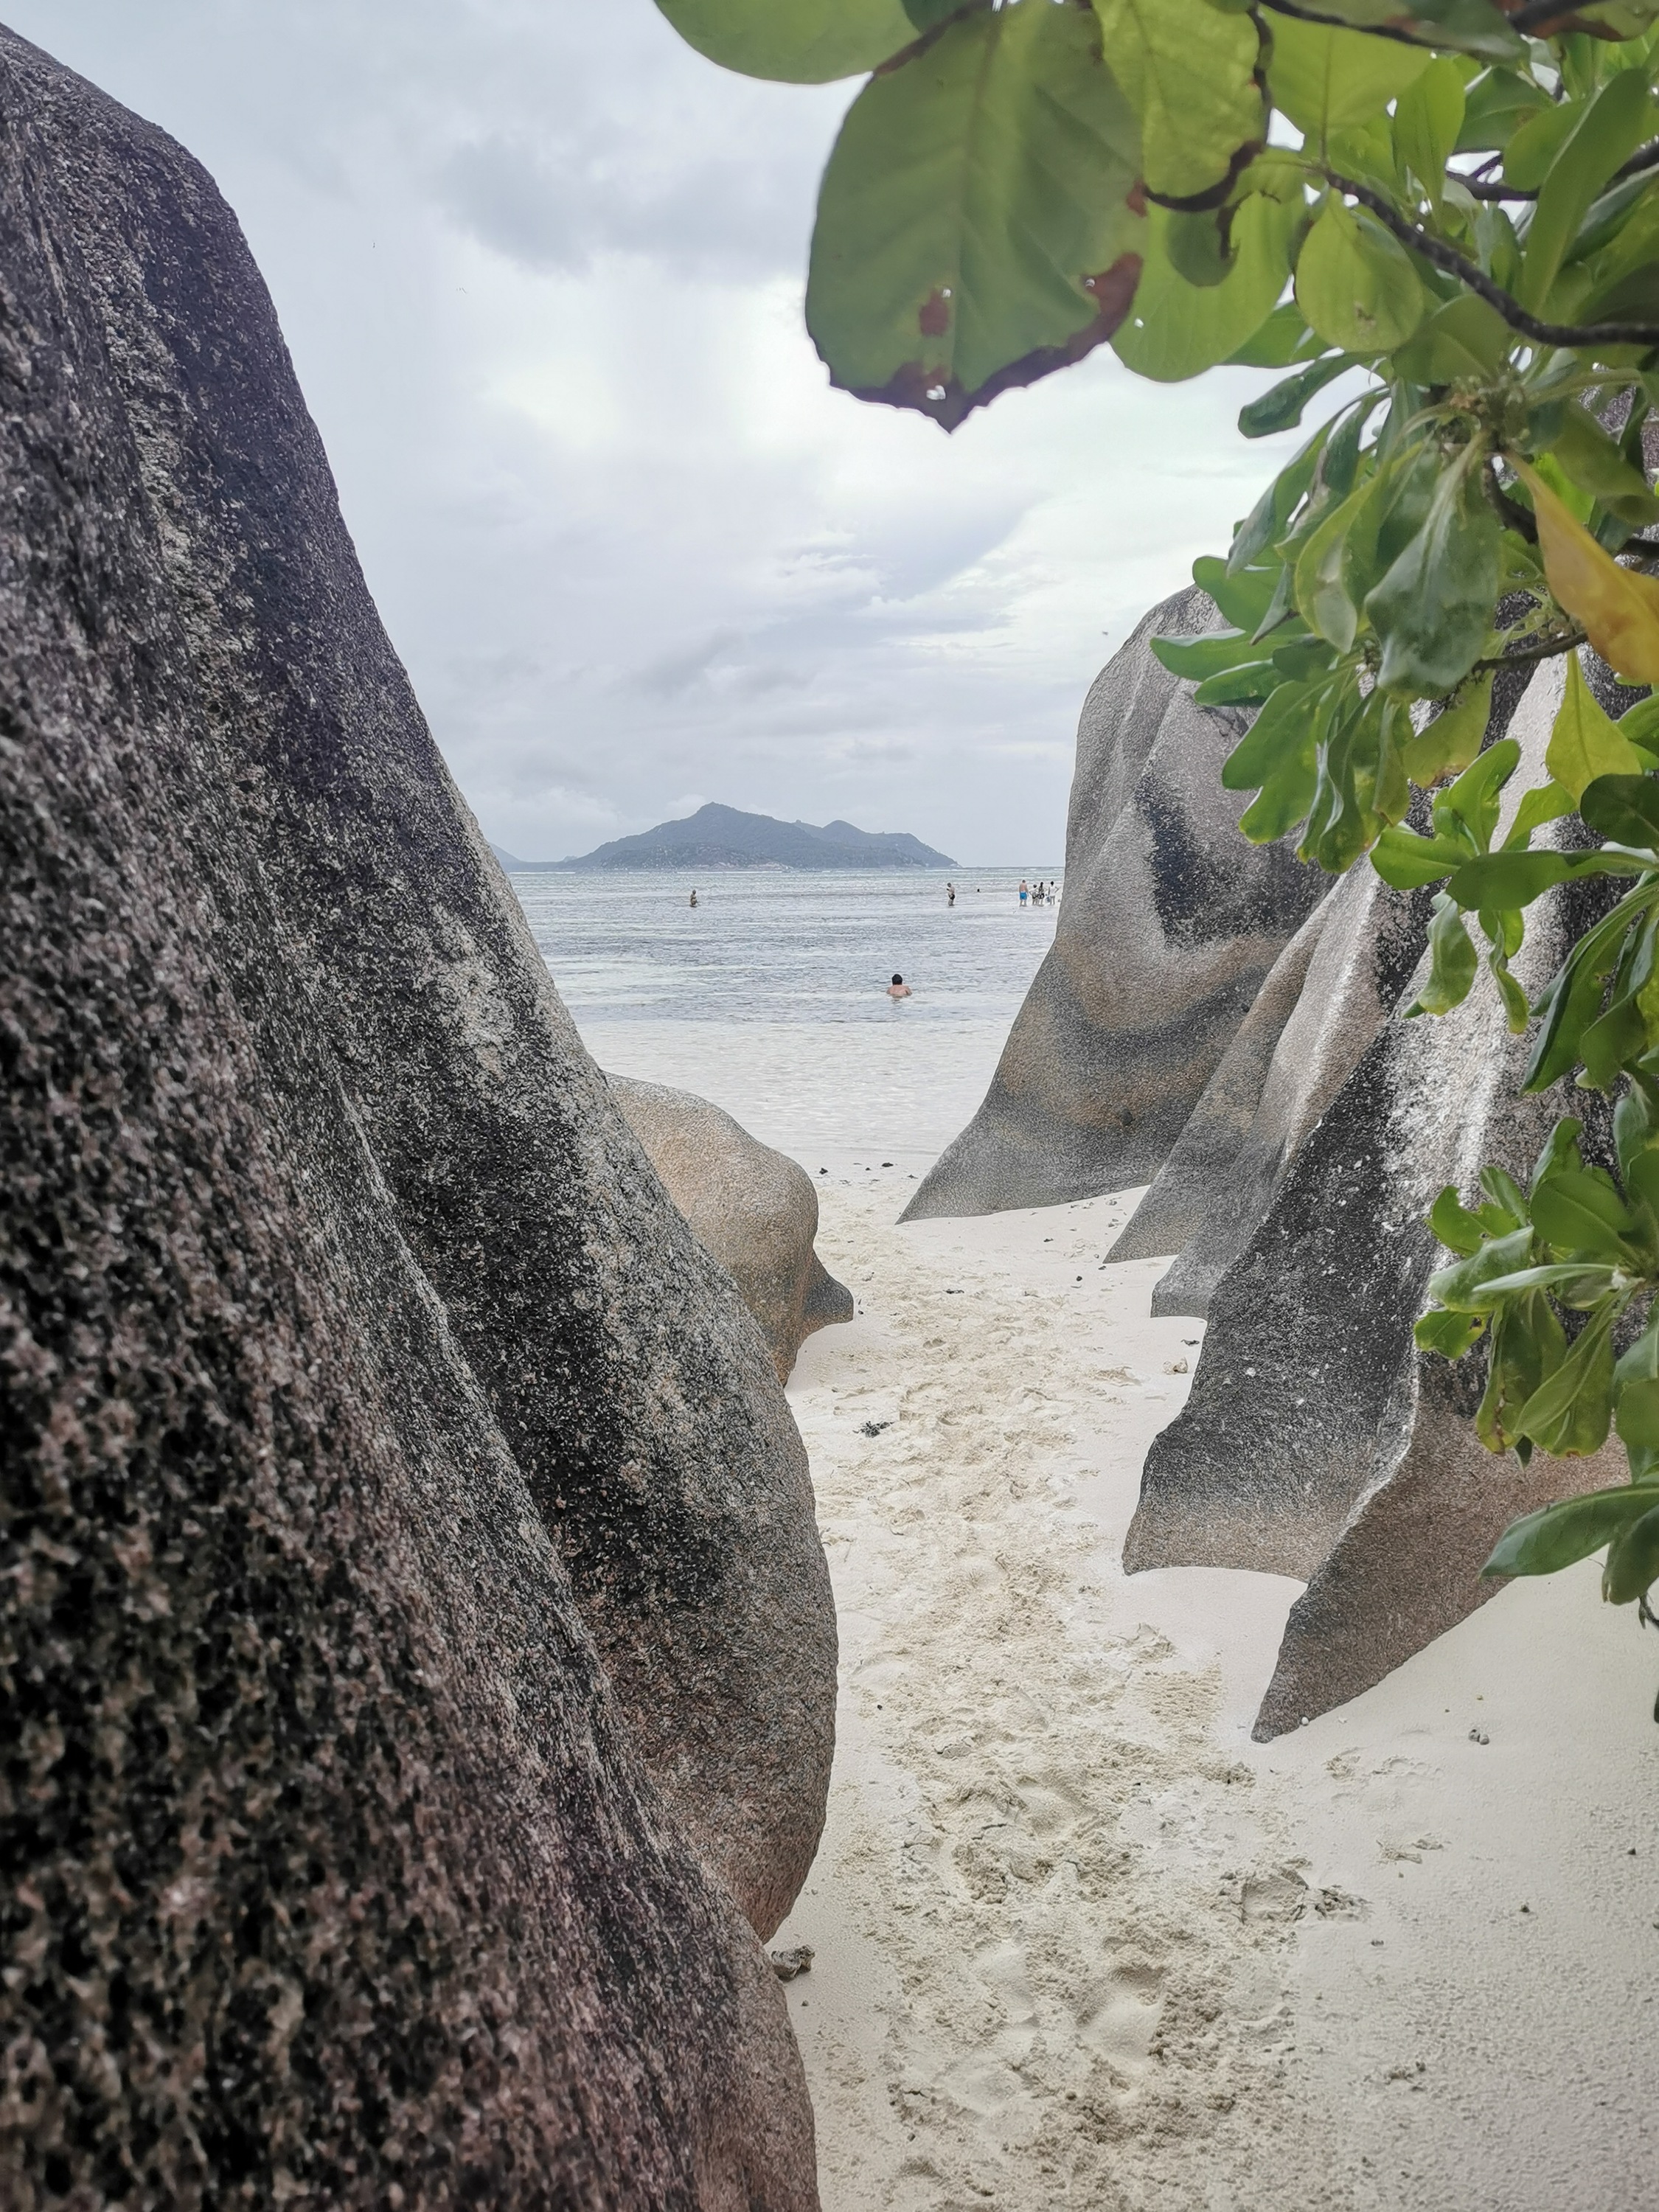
(1043, 894)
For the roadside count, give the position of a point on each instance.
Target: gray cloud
(540, 268)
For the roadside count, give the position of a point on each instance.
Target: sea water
(769, 996)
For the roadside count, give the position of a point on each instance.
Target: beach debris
(1175, 1367)
(1478, 1736)
(875, 1428)
(795, 1959)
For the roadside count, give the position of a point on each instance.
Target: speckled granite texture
(753, 1208)
(1168, 925)
(411, 1585)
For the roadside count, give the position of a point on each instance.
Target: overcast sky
(540, 266)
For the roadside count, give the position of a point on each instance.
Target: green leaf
(1625, 809)
(1572, 1410)
(1534, 144)
(1409, 862)
(1446, 746)
(1458, 1229)
(1277, 342)
(1247, 685)
(1585, 743)
(1325, 79)
(1427, 118)
(1579, 1213)
(1452, 966)
(1356, 284)
(1209, 654)
(1636, 1403)
(1544, 802)
(1189, 72)
(1633, 1562)
(1462, 1286)
(799, 41)
(975, 228)
(1504, 880)
(1317, 585)
(1279, 408)
(1595, 465)
(1603, 137)
(1271, 513)
(1494, 107)
(1464, 339)
(1474, 800)
(1242, 597)
(1450, 1335)
(1277, 755)
(1176, 329)
(1556, 1537)
(1360, 787)
(1526, 1346)
(1433, 608)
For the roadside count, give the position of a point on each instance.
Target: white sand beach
(1079, 1942)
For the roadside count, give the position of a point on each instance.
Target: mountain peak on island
(718, 836)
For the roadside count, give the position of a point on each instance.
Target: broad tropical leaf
(1355, 284)
(1189, 71)
(801, 41)
(979, 223)
(1325, 79)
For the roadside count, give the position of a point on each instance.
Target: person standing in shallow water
(1024, 891)
(898, 989)
(694, 898)
(949, 895)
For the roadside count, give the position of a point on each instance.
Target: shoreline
(1079, 1941)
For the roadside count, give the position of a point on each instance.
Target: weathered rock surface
(1168, 925)
(408, 1554)
(1317, 1441)
(1336, 982)
(753, 1208)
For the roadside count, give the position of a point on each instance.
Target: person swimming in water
(898, 989)
(694, 898)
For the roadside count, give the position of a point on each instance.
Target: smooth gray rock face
(408, 1554)
(753, 1209)
(1356, 953)
(1168, 925)
(1318, 1441)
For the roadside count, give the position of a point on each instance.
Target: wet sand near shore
(1079, 1942)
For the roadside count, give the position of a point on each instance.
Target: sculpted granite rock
(1331, 990)
(1168, 925)
(408, 1554)
(1317, 1441)
(753, 1208)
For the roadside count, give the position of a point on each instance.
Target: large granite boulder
(1331, 990)
(1317, 1441)
(417, 1648)
(1168, 925)
(753, 1208)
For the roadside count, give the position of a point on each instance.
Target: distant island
(722, 837)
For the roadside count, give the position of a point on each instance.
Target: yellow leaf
(1586, 743)
(1618, 608)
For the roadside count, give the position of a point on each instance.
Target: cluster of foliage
(1454, 204)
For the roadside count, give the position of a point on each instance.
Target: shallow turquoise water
(770, 997)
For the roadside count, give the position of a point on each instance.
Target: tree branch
(1645, 157)
(1548, 650)
(1341, 23)
(1467, 272)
